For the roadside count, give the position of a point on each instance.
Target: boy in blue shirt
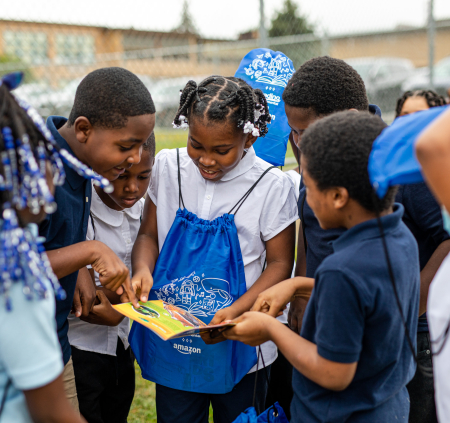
(112, 116)
(353, 359)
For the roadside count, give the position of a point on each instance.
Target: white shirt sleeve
(280, 207)
(157, 172)
(30, 352)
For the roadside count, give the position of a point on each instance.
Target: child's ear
(83, 129)
(250, 140)
(340, 197)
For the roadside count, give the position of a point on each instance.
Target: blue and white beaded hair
(23, 178)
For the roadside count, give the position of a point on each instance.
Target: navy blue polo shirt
(67, 226)
(352, 316)
(424, 219)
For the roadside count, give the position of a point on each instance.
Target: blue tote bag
(270, 71)
(199, 269)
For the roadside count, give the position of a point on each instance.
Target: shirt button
(428, 351)
(208, 197)
(128, 241)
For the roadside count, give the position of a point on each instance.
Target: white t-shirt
(118, 230)
(269, 209)
(30, 354)
(438, 314)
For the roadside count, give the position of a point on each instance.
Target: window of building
(74, 49)
(28, 47)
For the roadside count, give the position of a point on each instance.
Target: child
(352, 359)
(102, 360)
(212, 250)
(31, 385)
(112, 116)
(415, 101)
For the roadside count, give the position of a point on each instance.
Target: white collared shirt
(118, 230)
(268, 210)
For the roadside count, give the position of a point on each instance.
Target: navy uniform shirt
(352, 316)
(67, 226)
(424, 219)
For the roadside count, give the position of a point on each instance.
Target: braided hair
(432, 98)
(220, 99)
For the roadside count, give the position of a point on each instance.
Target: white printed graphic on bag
(200, 297)
(270, 70)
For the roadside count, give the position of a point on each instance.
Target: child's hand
(103, 313)
(84, 295)
(142, 283)
(215, 336)
(113, 274)
(252, 329)
(274, 300)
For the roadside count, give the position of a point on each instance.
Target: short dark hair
(108, 96)
(150, 144)
(432, 98)
(337, 149)
(326, 85)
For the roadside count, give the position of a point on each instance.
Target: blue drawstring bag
(393, 160)
(270, 71)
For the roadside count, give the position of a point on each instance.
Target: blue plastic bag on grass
(274, 414)
(393, 160)
(270, 71)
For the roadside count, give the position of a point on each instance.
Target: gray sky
(224, 18)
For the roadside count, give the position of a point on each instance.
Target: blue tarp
(393, 159)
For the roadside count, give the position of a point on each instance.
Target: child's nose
(135, 157)
(206, 161)
(131, 187)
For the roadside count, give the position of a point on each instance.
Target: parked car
(421, 79)
(383, 78)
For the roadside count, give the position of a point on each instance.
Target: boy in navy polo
(112, 117)
(353, 359)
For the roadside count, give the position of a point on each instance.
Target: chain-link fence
(56, 56)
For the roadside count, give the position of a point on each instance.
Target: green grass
(143, 408)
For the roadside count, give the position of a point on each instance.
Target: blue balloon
(393, 160)
(270, 71)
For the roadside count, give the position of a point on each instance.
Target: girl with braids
(218, 229)
(31, 384)
(416, 101)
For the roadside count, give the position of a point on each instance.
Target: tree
(187, 22)
(288, 21)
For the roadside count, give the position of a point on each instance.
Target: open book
(166, 320)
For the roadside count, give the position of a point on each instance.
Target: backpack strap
(302, 222)
(238, 205)
(180, 195)
(5, 394)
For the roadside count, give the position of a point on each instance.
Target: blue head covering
(270, 71)
(393, 160)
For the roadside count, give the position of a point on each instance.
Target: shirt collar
(246, 163)
(369, 229)
(72, 177)
(110, 216)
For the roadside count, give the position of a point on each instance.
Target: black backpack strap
(302, 222)
(180, 195)
(5, 394)
(238, 205)
(92, 223)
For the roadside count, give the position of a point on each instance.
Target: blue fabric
(274, 414)
(30, 355)
(199, 269)
(424, 219)
(352, 316)
(270, 71)
(67, 226)
(393, 160)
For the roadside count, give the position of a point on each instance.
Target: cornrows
(432, 98)
(219, 99)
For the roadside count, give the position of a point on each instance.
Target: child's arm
(113, 274)
(256, 328)
(49, 404)
(102, 313)
(145, 251)
(280, 260)
(433, 153)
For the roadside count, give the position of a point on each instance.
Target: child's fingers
(77, 304)
(130, 293)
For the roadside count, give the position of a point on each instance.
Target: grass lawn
(143, 409)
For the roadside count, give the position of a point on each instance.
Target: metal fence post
(431, 39)
(262, 26)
